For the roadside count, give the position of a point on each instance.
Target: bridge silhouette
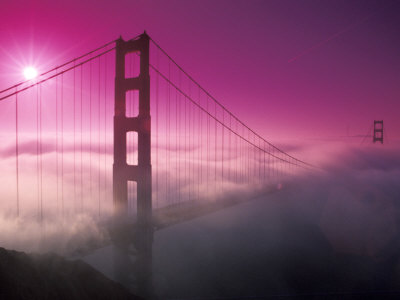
(124, 133)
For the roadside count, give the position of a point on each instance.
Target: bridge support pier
(140, 232)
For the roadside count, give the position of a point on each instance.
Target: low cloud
(73, 235)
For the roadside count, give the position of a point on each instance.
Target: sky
(288, 69)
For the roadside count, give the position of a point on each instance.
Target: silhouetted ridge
(49, 276)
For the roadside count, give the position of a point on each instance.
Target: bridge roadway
(162, 218)
(178, 213)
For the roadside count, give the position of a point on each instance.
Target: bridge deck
(178, 213)
(162, 218)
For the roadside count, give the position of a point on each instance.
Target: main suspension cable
(222, 106)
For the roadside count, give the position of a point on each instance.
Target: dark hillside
(50, 276)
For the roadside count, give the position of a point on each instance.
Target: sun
(30, 73)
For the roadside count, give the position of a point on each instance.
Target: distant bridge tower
(140, 233)
(378, 132)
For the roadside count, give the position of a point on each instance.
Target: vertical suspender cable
(62, 144)
(249, 147)
(254, 157)
(41, 152)
(236, 152)
(57, 171)
(243, 157)
(230, 148)
(74, 121)
(166, 144)
(222, 150)
(169, 134)
(81, 150)
(176, 197)
(98, 136)
(208, 147)
(259, 161)
(215, 152)
(157, 133)
(90, 131)
(200, 160)
(37, 155)
(178, 153)
(16, 151)
(190, 148)
(190, 144)
(105, 129)
(185, 101)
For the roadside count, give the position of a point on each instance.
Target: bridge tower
(378, 131)
(140, 232)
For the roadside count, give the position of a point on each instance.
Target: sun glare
(30, 73)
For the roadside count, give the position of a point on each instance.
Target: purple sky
(286, 68)
(289, 69)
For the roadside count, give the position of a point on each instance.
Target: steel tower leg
(141, 235)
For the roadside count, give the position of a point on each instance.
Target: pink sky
(286, 68)
(290, 70)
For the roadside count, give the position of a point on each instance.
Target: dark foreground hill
(49, 276)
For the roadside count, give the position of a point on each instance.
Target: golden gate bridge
(124, 133)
